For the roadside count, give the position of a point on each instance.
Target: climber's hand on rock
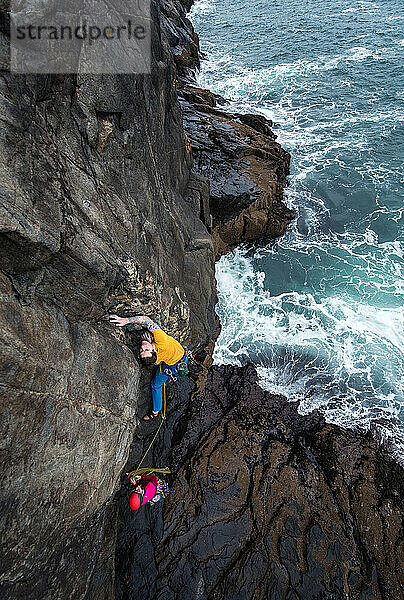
(118, 321)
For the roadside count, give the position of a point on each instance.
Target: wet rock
(268, 503)
(197, 95)
(237, 153)
(246, 168)
(180, 35)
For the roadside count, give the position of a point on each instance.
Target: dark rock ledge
(265, 503)
(245, 167)
(271, 504)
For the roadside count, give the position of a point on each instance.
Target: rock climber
(148, 488)
(145, 490)
(157, 348)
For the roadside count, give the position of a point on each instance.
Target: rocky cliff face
(236, 154)
(266, 503)
(245, 166)
(99, 211)
(102, 210)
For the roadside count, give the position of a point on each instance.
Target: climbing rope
(149, 470)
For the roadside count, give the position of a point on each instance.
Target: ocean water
(320, 311)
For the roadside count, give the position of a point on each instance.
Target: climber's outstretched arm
(141, 320)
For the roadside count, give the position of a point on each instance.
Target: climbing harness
(180, 369)
(162, 491)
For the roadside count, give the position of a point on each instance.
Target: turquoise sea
(320, 311)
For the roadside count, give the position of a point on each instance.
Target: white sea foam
(363, 7)
(316, 351)
(338, 346)
(202, 7)
(246, 81)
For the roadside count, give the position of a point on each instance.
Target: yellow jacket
(168, 349)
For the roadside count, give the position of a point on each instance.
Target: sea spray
(320, 311)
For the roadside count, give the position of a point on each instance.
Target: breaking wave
(320, 311)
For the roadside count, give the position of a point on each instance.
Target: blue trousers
(159, 380)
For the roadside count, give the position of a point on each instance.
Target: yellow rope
(149, 470)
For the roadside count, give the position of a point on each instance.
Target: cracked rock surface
(97, 215)
(245, 166)
(267, 503)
